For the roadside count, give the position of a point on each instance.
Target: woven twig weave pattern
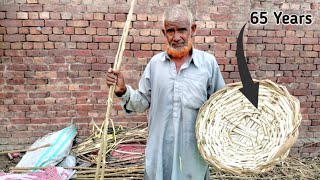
(236, 137)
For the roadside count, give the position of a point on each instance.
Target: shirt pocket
(195, 90)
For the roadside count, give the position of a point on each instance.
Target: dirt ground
(6, 163)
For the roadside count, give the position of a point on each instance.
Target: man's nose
(176, 36)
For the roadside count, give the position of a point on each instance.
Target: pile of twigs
(290, 168)
(88, 149)
(135, 172)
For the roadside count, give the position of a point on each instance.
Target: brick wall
(54, 57)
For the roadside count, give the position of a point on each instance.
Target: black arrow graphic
(250, 89)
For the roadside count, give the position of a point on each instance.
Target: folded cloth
(52, 173)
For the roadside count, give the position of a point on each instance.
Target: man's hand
(116, 78)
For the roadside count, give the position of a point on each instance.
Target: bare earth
(6, 163)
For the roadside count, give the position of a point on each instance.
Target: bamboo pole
(118, 60)
(25, 150)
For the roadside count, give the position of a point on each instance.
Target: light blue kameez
(173, 100)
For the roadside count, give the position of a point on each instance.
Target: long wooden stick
(25, 150)
(117, 63)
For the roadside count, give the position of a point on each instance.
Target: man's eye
(170, 30)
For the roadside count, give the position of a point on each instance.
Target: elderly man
(173, 86)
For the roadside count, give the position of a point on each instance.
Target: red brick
(82, 45)
(33, 15)
(290, 40)
(83, 107)
(93, 45)
(11, 23)
(142, 54)
(2, 15)
(307, 67)
(37, 38)
(55, 23)
(33, 22)
(40, 121)
(309, 40)
(289, 53)
(81, 38)
(34, 67)
(9, 52)
(66, 15)
(35, 30)
(27, 45)
(53, 8)
(272, 40)
(16, 81)
(55, 16)
(254, 40)
(88, 16)
(309, 54)
(68, 30)
(270, 53)
(59, 38)
(80, 67)
(286, 79)
(57, 30)
(31, 7)
(220, 32)
(91, 30)
(12, 30)
(44, 15)
(100, 67)
(79, 52)
(102, 31)
(82, 80)
(17, 67)
(3, 30)
(220, 17)
(76, 9)
(37, 53)
(22, 15)
(100, 24)
(78, 23)
(20, 120)
(11, 15)
(19, 108)
(102, 39)
(14, 38)
(288, 67)
(5, 45)
(79, 31)
(9, 7)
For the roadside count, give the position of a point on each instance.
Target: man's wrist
(121, 92)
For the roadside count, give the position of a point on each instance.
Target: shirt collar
(193, 58)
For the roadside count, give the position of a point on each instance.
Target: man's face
(178, 34)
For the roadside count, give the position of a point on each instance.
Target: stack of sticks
(87, 150)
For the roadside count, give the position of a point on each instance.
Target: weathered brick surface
(55, 54)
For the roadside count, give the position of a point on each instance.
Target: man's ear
(193, 29)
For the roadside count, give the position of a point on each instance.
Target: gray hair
(174, 12)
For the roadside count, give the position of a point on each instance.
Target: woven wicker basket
(236, 137)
